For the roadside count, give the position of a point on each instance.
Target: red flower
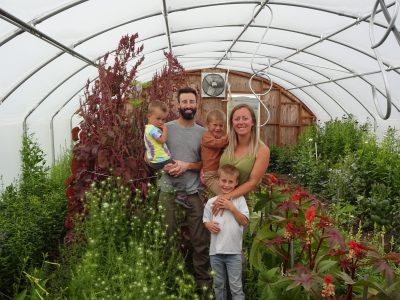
(302, 193)
(310, 214)
(289, 231)
(328, 279)
(356, 250)
(328, 289)
(289, 227)
(272, 179)
(296, 197)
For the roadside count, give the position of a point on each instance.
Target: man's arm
(182, 166)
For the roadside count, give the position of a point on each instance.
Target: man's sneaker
(183, 201)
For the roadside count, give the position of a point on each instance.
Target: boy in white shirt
(227, 235)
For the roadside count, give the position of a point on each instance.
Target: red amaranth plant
(110, 135)
(166, 84)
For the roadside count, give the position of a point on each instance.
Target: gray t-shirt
(184, 144)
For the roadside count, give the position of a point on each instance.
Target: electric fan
(213, 85)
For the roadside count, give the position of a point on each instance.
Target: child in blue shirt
(157, 152)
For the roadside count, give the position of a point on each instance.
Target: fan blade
(218, 91)
(208, 79)
(210, 91)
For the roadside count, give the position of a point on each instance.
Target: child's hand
(212, 226)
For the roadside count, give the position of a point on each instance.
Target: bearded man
(183, 140)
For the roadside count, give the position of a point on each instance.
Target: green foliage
(299, 254)
(34, 171)
(121, 251)
(343, 162)
(281, 159)
(31, 216)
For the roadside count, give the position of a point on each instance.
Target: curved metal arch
(59, 54)
(310, 53)
(37, 21)
(221, 51)
(76, 93)
(288, 81)
(23, 80)
(346, 45)
(193, 7)
(312, 44)
(158, 62)
(313, 54)
(53, 152)
(210, 5)
(197, 28)
(291, 73)
(33, 72)
(72, 97)
(48, 94)
(319, 73)
(41, 35)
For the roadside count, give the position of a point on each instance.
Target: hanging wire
(264, 71)
(227, 84)
(374, 45)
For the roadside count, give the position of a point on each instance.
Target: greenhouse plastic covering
(320, 51)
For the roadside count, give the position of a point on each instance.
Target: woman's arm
(257, 173)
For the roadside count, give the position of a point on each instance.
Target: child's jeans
(230, 264)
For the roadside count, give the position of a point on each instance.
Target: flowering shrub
(126, 253)
(109, 141)
(344, 162)
(310, 253)
(110, 137)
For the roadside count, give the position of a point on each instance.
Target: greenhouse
(135, 132)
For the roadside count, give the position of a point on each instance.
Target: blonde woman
(245, 151)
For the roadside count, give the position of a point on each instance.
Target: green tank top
(244, 164)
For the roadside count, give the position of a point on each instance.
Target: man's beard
(186, 114)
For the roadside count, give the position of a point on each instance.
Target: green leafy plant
(343, 163)
(109, 136)
(31, 213)
(126, 254)
(313, 258)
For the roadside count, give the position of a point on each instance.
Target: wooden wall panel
(269, 134)
(288, 117)
(290, 114)
(272, 102)
(288, 136)
(208, 104)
